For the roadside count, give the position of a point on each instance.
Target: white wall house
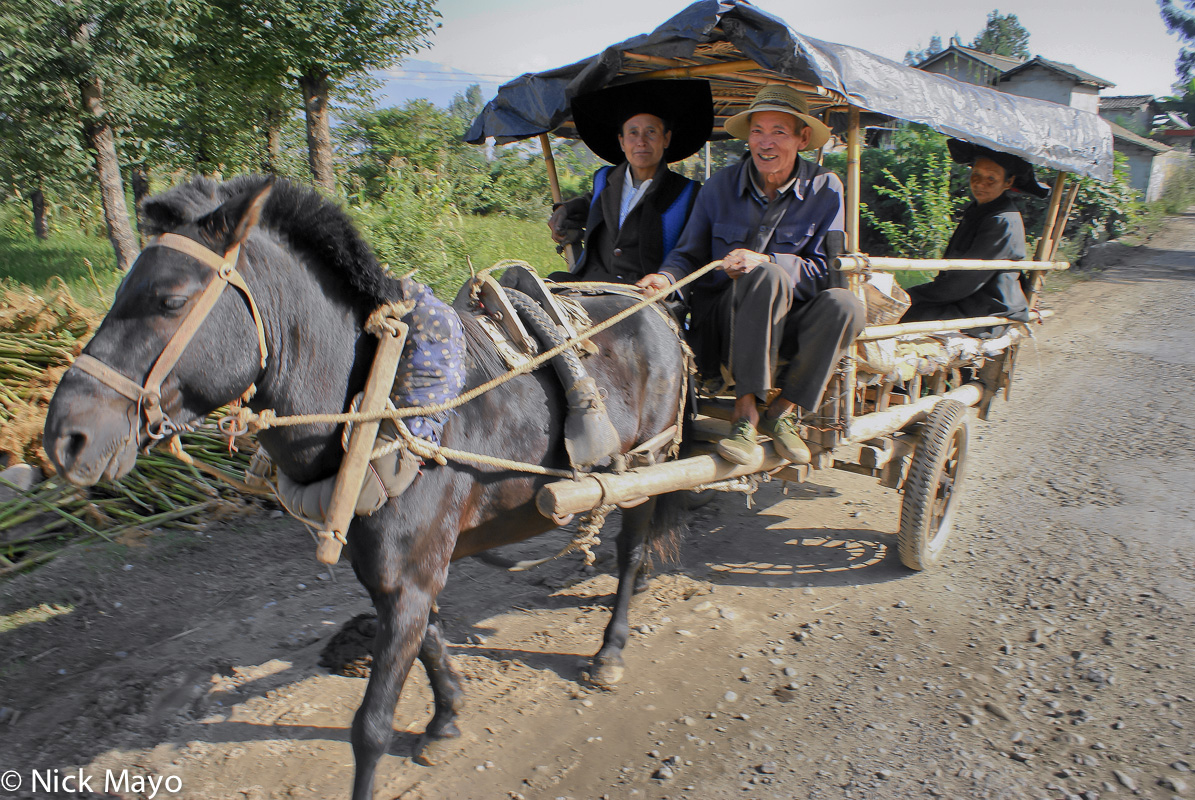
(1149, 161)
(967, 65)
(1056, 82)
(1135, 112)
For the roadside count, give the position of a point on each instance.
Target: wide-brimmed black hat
(686, 106)
(1023, 179)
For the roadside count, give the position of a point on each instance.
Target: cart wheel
(932, 488)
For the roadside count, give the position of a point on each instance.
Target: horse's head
(176, 344)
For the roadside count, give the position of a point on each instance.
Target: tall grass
(439, 246)
(65, 255)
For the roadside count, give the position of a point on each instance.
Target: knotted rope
(244, 420)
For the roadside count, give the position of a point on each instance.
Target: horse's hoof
(433, 750)
(604, 675)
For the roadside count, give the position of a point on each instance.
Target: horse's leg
(402, 616)
(607, 668)
(446, 686)
(403, 586)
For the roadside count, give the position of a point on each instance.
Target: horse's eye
(174, 302)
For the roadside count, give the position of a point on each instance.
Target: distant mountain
(437, 83)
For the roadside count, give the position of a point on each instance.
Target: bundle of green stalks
(40, 335)
(161, 491)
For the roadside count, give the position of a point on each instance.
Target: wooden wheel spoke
(932, 488)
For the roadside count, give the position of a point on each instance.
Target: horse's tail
(669, 524)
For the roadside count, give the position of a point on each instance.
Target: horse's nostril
(70, 446)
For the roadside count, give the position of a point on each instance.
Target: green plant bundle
(160, 491)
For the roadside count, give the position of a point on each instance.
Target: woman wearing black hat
(991, 229)
(637, 208)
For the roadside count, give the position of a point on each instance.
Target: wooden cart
(914, 437)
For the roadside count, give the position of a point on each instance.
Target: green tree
(1003, 35)
(41, 154)
(322, 44)
(100, 64)
(422, 136)
(915, 57)
(1179, 16)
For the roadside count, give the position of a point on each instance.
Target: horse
(311, 281)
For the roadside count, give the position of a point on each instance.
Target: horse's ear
(230, 224)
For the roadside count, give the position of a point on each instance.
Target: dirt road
(788, 654)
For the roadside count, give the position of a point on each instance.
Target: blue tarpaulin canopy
(738, 48)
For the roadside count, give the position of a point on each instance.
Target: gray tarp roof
(1045, 133)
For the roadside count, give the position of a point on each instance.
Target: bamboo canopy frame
(738, 48)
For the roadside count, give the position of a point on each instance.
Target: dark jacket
(728, 214)
(626, 254)
(992, 231)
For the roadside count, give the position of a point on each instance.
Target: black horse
(315, 281)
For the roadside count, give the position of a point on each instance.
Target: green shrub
(415, 227)
(1179, 192)
(923, 229)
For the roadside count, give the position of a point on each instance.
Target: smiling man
(776, 222)
(638, 207)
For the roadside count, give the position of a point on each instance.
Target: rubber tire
(933, 486)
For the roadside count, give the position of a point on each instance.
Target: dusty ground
(788, 655)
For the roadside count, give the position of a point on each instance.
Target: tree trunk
(103, 142)
(38, 200)
(139, 178)
(319, 134)
(274, 116)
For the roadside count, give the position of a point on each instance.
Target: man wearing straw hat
(638, 207)
(775, 221)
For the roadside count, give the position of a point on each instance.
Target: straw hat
(687, 106)
(1021, 171)
(785, 99)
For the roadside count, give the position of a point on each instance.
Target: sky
(492, 41)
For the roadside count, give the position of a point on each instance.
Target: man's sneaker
(786, 438)
(741, 446)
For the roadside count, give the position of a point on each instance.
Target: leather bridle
(148, 395)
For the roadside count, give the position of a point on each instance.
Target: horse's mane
(307, 221)
(313, 225)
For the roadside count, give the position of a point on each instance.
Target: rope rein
(244, 420)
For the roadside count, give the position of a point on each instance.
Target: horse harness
(348, 493)
(148, 395)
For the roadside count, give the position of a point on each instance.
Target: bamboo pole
(554, 183)
(562, 498)
(1051, 214)
(874, 332)
(698, 71)
(858, 263)
(1037, 278)
(883, 423)
(660, 60)
(346, 490)
(729, 70)
(1063, 217)
(853, 152)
